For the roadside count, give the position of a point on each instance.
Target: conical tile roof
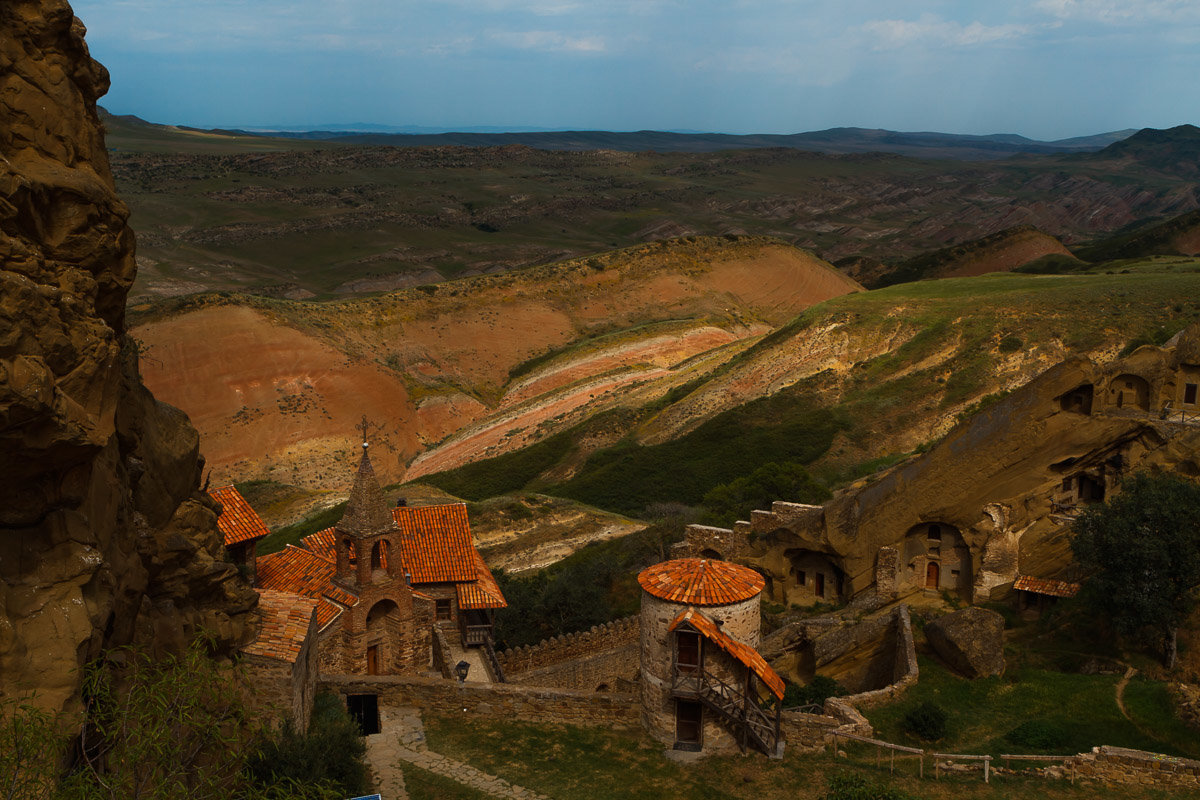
(366, 510)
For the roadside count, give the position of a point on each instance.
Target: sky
(1046, 69)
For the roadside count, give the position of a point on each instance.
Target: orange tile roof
(436, 543)
(1028, 583)
(484, 592)
(701, 582)
(285, 622)
(744, 653)
(299, 571)
(238, 522)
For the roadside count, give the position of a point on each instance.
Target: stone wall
(704, 541)
(496, 701)
(1120, 765)
(595, 672)
(571, 647)
(904, 665)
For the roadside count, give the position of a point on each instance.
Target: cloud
(1122, 12)
(548, 41)
(932, 31)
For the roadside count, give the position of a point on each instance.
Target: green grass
(420, 784)
(504, 474)
(573, 763)
(1083, 707)
(292, 534)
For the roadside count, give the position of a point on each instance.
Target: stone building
(382, 578)
(704, 686)
(241, 528)
(282, 659)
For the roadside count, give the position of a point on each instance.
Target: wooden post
(921, 759)
(937, 775)
(892, 765)
(987, 763)
(876, 756)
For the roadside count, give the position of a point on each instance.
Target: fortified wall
(604, 658)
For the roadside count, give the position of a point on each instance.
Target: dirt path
(1121, 684)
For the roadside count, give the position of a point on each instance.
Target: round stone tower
(699, 616)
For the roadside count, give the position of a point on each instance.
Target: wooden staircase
(738, 709)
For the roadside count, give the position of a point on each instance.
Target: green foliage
(845, 786)
(928, 721)
(735, 500)
(1052, 264)
(292, 534)
(1010, 344)
(627, 477)
(503, 474)
(30, 750)
(1038, 734)
(329, 754)
(815, 692)
(1142, 550)
(1157, 336)
(596, 584)
(168, 729)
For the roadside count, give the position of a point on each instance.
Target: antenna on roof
(363, 426)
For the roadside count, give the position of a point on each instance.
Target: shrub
(927, 721)
(1038, 734)
(814, 693)
(858, 787)
(1010, 344)
(330, 753)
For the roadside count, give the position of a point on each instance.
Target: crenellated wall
(569, 647)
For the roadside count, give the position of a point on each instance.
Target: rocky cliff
(105, 538)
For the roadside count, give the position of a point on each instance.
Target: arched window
(351, 552)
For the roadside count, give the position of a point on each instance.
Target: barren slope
(286, 382)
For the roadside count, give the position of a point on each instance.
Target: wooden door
(820, 576)
(373, 660)
(932, 574)
(689, 717)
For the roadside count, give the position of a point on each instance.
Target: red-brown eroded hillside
(283, 384)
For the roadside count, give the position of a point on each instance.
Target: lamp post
(461, 669)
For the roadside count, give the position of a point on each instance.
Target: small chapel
(377, 583)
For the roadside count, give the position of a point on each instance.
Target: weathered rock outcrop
(105, 538)
(971, 641)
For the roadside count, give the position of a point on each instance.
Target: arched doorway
(383, 624)
(932, 575)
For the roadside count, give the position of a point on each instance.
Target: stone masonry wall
(904, 670)
(571, 647)
(495, 701)
(595, 672)
(1120, 765)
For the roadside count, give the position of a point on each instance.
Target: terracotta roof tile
(285, 622)
(744, 653)
(1028, 583)
(436, 543)
(701, 582)
(238, 521)
(483, 592)
(299, 571)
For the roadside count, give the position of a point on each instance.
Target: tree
(1142, 550)
(770, 482)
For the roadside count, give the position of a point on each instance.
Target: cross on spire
(363, 426)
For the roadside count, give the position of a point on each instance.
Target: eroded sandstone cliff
(105, 538)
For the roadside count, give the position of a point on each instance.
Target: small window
(935, 532)
(1189, 394)
(1066, 484)
(1128, 384)
(443, 609)
(953, 573)
(803, 578)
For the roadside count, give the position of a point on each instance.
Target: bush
(1038, 734)
(1010, 344)
(330, 753)
(857, 787)
(814, 693)
(927, 721)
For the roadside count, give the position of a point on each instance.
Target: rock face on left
(105, 538)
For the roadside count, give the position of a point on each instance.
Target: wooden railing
(476, 634)
(493, 663)
(738, 709)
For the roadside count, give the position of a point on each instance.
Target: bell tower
(367, 537)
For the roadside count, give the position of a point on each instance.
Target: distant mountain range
(924, 144)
